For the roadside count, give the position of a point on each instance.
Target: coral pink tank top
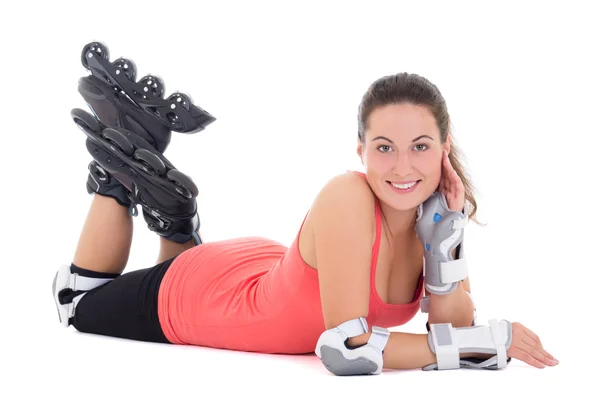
(254, 294)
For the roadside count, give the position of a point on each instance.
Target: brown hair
(414, 89)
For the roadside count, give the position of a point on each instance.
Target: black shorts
(126, 307)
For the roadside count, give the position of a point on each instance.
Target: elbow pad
(340, 359)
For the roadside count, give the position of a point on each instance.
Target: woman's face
(402, 154)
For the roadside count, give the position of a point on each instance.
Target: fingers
(452, 175)
(532, 335)
(537, 351)
(527, 358)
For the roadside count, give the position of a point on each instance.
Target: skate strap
(78, 282)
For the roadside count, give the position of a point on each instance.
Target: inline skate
(167, 196)
(131, 109)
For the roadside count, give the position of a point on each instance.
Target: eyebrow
(414, 140)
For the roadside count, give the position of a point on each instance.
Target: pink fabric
(255, 294)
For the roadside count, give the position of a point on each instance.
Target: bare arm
(344, 234)
(455, 308)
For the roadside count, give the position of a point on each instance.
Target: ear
(359, 148)
(448, 143)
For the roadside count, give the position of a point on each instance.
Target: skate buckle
(163, 223)
(133, 211)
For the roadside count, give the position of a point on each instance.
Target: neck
(399, 223)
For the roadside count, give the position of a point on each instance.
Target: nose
(403, 165)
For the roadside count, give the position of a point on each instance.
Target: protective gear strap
(78, 282)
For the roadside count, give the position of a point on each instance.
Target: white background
(284, 81)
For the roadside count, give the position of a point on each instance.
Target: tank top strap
(375, 249)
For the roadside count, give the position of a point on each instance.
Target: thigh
(126, 307)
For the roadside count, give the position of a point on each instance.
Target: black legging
(126, 307)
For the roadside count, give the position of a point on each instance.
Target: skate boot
(118, 100)
(167, 196)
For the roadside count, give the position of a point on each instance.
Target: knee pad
(448, 343)
(441, 230)
(66, 282)
(342, 360)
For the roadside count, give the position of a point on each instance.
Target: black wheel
(180, 99)
(118, 141)
(126, 67)
(95, 48)
(151, 163)
(183, 183)
(86, 121)
(174, 121)
(153, 85)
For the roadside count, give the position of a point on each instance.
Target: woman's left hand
(527, 347)
(451, 186)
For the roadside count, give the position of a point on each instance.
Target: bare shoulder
(348, 191)
(345, 203)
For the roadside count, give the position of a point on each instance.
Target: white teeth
(404, 186)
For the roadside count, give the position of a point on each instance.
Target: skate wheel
(97, 49)
(118, 142)
(86, 121)
(153, 85)
(180, 99)
(151, 163)
(125, 67)
(183, 183)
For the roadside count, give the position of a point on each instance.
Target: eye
(384, 148)
(424, 146)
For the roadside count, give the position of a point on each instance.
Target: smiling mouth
(404, 186)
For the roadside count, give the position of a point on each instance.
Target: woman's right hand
(527, 347)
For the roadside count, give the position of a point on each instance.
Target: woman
(356, 253)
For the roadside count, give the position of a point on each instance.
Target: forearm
(455, 308)
(403, 350)
(406, 350)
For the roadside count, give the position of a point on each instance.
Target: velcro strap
(499, 343)
(446, 349)
(77, 282)
(453, 271)
(354, 327)
(459, 223)
(379, 338)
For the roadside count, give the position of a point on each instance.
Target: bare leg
(169, 249)
(106, 237)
